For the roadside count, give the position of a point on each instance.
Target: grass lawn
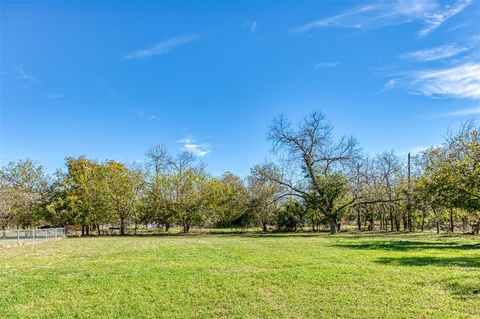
(251, 276)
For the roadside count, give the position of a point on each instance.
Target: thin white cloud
(21, 74)
(373, 15)
(434, 19)
(437, 53)
(163, 47)
(464, 112)
(461, 81)
(414, 151)
(189, 145)
(385, 13)
(145, 116)
(323, 65)
(251, 26)
(392, 83)
(459, 26)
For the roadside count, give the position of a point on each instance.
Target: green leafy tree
(262, 196)
(22, 184)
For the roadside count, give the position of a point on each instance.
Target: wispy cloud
(145, 116)
(414, 150)
(374, 15)
(323, 65)
(437, 53)
(251, 26)
(21, 74)
(461, 81)
(386, 13)
(23, 79)
(390, 84)
(163, 47)
(434, 19)
(190, 145)
(459, 26)
(464, 112)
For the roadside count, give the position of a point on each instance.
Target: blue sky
(108, 80)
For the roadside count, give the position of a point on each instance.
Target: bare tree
(316, 167)
(158, 157)
(316, 164)
(388, 168)
(182, 177)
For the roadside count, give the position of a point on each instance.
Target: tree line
(316, 182)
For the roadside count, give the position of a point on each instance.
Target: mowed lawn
(249, 276)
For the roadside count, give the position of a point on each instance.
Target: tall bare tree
(158, 157)
(316, 167)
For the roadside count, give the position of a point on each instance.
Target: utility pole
(359, 222)
(409, 205)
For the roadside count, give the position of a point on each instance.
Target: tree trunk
(391, 219)
(476, 228)
(465, 224)
(264, 226)
(333, 225)
(122, 226)
(359, 221)
(382, 221)
(452, 229)
(186, 227)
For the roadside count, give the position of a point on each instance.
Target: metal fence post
(34, 235)
(18, 236)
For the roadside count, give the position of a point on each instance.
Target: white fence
(13, 237)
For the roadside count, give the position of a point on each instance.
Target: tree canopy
(314, 180)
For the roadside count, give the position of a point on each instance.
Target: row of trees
(316, 181)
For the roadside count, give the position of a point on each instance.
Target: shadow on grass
(463, 288)
(231, 234)
(252, 234)
(409, 245)
(261, 234)
(468, 262)
(390, 245)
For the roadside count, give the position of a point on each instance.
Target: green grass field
(251, 276)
